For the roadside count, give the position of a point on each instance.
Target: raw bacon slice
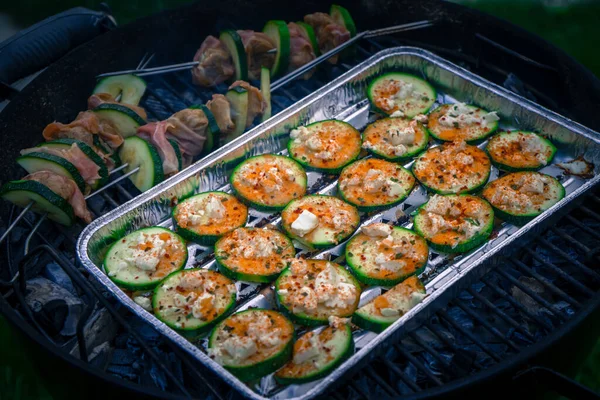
(188, 128)
(215, 65)
(221, 109)
(257, 44)
(301, 51)
(256, 102)
(82, 128)
(156, 134)
(329, 34)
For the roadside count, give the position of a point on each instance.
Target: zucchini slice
(252, 343)
(454, 223)
(316, 354)
(395, 139)
(88, 151)
(142, 259)
(520, 151)
(343, 18)
(252, 254)
(238, 99)
(400, 93)
(138, 153)
(519, 197)
(265, 90)
(33, 162)
(177, 151)
(212, 130)
(278, 32)
(131, 88)
(207, 216)
(310, 291)
(102, 147)
(124, 119)
(372, 184)
(23, 192)
(192, 301)
(453, 167)
(309, 33)
(319, 221)
(268, 182)
(385, 309)
(235, 157)
(384, 255)
(232, 40)
(461, 122)
(326, 146)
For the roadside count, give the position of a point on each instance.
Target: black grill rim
(17, 115)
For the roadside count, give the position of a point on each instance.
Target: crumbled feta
(203, 304)
(282, 292)
(305, 300)
(331, 288)
(438, 223)
(191, 281)
(461, 115)
(416, 298)
(377, 230)
(314, 143)
(389, 312)
(305, 223)
(389, 103)
(469, 229)
(323, 155)
(464, 159)
(337, 322)
(143, 302)
(438, 204)
(147, 255)
(300, 132)
(396, 114)
(395, 188)
(309, 352)
(182, 301)
(214, 208)
(532, 185)
(422, 118)
(406, 91)
(298, 266)
(390, 265)
(239, 347)
(405, 136)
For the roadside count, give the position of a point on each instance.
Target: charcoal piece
(529, 303)
(101, 327)
(99, 355)
(123, 371)
(17, 234)
(147, 333)
(431, 363)
(411, 373)
(158, 376)
(460, 317)
(54, 307)
(121, 340)
(56, 274)
(123, 357)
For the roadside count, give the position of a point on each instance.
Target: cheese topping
(394, 137)
(520, 192)
(520, 149)
(454, 167)
(377, 229)
(305, 223)
(337, 322)
(143, 302)
(397, 301)
(422, 118)
(461, 115)
(203, 211)
(250, 336)
(145, 254)
(211, 213)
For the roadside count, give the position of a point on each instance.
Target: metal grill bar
(394, 368)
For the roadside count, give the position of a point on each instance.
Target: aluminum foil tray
(345, 99)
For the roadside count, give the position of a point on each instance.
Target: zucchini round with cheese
(326, 146)
(372, 184)
(311, 291)
(520, 151)
(252, 343)
(387, 308)
(454, 223)
(395, 139)
(461, 122)
(453, 167)
(194, 300)
(519, 197)
(384, 255)
(253, 255)
(268, 182)
(319, 221)
(400, 95)
(205, 217)
(316, 354)
(142, 259)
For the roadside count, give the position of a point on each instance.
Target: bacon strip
(155, 133)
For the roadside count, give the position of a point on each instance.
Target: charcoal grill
(492, 332)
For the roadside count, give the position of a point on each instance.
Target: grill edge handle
(36, 47)
(558, 383)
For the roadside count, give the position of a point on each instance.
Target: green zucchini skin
(124, 119)
(309, 32)
(88, 151)
(130, 87)
(204, 240)
(262, 368)
(323, 372)
(334, 170)
(177, 153)
(477, 240)
(255, 204)
(63, 167)
(475, 141)
(22, 192)
(366, 279)
(400, 75)
(278, 32)
(191, 332)
(265, 90)
(235, 46)
(149, 285)
(137, 152)
(510, 168)
(407, 156)
(212, 131)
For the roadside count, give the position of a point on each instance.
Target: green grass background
(574, 27)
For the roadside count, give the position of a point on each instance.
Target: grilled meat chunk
(188, 128)
(102, 98)
(83, 128)
(329, 33)
(215, 65)
(221, 109)
(256, 45)
(301, 51)
(65, 188)
(256, 102)
(156, 134)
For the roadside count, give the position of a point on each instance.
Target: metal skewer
(366, 34)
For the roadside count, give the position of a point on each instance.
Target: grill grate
(521, 302)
